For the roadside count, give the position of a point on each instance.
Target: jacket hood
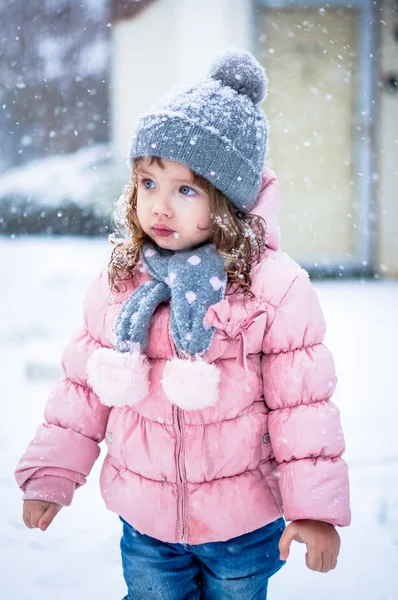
(267, 207)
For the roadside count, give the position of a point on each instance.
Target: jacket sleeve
(65, 447)
(304, 425)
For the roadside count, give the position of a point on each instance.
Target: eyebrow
(181, 180)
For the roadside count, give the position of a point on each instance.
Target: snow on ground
(43, 282)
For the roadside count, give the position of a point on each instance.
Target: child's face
(172, 210)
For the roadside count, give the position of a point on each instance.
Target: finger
(48, 516)
(313, 559)
(24, 515)
(26, 519)
(286, 540)
(35, 516)
(333, 562)
(326, 562)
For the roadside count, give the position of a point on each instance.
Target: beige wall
(169, 43)
(311, 106)
(387, 142)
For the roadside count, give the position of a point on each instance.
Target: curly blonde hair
(239, 238)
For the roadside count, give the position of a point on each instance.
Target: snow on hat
(214, 126)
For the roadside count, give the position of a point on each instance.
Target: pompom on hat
(213, 126)
(239, 70)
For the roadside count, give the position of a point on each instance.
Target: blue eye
(186, 189)
(147, 184)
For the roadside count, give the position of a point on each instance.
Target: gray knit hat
(213, 126)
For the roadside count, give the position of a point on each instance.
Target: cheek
(204, 220)
(197, 212)
(142, 210)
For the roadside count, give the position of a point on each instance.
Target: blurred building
(332, 106)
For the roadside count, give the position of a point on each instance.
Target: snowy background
(43, 283)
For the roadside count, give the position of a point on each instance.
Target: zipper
(178, 419)
(180, 471)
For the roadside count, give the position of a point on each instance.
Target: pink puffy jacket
(271, 446)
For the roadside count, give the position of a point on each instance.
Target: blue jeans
(238, 569)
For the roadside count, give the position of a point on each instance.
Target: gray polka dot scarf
(194, 280)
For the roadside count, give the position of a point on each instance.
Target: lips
(162, 230)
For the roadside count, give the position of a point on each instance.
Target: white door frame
(365, 160)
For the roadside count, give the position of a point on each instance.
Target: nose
(162, 207)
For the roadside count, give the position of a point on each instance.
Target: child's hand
(38, 513)
(321, 539)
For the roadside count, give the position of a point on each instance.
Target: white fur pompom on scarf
(191, 384)
(118, 378)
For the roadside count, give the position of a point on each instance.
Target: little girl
(202, 365)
